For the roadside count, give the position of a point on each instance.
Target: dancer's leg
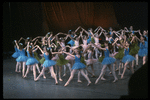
(102, 72)
(112, 69)
(71, 76)
(23, 71)
(60, 69)
(27, 71)
(64, 70)
(144, 60)
(131, 68)
(79, 74)
(53, 74)
(125, 65)
(17, 64)
(40, 74)
(34, 71)
(37, 66)
(86, 77)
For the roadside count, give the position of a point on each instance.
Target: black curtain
(132, 14)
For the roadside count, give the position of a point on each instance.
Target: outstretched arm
(21, 39)
(68, 54)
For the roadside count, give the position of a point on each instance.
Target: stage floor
(14, 86)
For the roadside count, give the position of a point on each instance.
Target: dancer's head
(30, 50)
(20, 46)
(47, 50)
(143, 38)
(105, 43)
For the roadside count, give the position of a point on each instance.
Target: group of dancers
(82, 50)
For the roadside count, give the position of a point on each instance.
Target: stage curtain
(63, 16)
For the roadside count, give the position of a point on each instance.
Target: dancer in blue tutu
(16, 55)
(77, 66)
(22, 57)
(143, 51)
(31, 61)
(48, 63)
(127, 59)
(107, 61)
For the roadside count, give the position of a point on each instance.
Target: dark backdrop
(23, 19)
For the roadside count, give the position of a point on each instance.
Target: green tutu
(100, 59)
(36, 56)
(92, 40)
(61, 61)
(82, 60)
(120, 53)
(134, 49)
(42, 60)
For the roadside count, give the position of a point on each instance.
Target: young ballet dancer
(16, 55)
(90, 61)
(107, 61)
(48, 63)
(143, 51)
(22, 57)
(31, 61)
(77, 66)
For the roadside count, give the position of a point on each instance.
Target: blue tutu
(71, 42)
(107, 60)
(88, 40)
(16, 53)
(31, 60)
(22, 57)
(143, 51)
(127, 57)
(48, 62)
(78, 64)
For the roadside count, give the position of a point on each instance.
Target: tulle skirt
(78, 65)
(71, 42)
(127, 58)
(48, 63)
(61, 61)
(108, 60)
(142, 52)
(15, 55)
(91, 61)
(42, 60)
(32, 61)
(22, 59)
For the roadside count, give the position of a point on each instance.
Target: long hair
(20, 46)
(30, 51)
(48, 50)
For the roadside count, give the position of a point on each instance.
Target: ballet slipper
(66, 84)
(79, 81)
(96, 81)
(56, 83)
(119, 73)
(121, 76)
(89, 84)
(110, 73)
(117, 69)
(64, 75)
(36, 79)
(103, 79)
(44, 77)
(115, 80)
(60, 79)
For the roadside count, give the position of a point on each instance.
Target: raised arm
(37, 37)
(21, 39)
(16, 44)
(77, 29)
(40, 49)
